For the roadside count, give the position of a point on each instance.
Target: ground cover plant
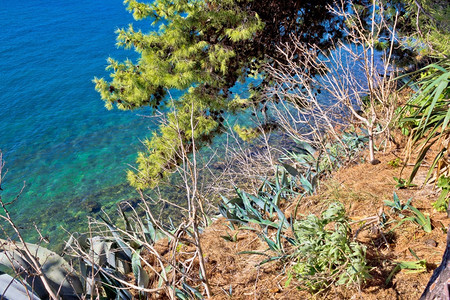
(325, 255)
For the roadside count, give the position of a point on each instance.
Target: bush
(326, 256)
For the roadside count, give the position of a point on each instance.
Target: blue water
(55, 133)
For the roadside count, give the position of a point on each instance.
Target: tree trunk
(372, 159)
(438, 286)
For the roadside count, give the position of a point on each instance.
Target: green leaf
(141, 277)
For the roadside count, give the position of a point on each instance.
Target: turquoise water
(55, 133)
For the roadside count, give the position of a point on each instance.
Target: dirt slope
(362, 188)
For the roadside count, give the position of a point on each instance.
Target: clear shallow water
(55, 133)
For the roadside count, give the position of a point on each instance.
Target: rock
(127, 205)
(90, 205)
(375, 161)
(430, 242)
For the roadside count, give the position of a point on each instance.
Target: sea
(60, 144)
(65, 154)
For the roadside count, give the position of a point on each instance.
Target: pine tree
(202, 48)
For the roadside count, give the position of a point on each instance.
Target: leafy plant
(261, 210)
(420, 219)
(309, 164)
(397, 206)
(326, 256)
(417, 217)
(441, 203)
(418, 266)
(354, 141)
(427, 115)
(229, 237)
(402, 183)
(395, 163)
(247, 208)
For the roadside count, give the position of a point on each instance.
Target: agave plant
(309, 164)
(107, 262)
(104, 262)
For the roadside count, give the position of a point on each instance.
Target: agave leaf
(389, 203)
(113, 288)
(307, 148)
(273, 258)
(163, 275)
(100, 250)
(150, 231)
(78, 239)
(290, 240)
(128, 226)
(19, 264)
(421, 219)
(60, 275)
(247, 228)
(182, 295)
(125, 248)
(252, 213)
(262, 204)
(11, 288)
(273, 246)
(306, 185)
(412, 267)
(254, 252)
(142, 278)
(277, 182)
(193, 291)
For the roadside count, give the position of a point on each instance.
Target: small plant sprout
(397, 206)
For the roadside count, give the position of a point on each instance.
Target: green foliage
(314, 241)
(309, 164)
(325, 254)
(418, 266)
(229, 237)
(403, 183)
(395, 163)
(262, 209)
(203, 49)
(246, 134)
(417, 216)
(427, 115)
(441, 203)
(247, 208)
(396, 205)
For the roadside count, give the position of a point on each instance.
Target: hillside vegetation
(331, 180)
